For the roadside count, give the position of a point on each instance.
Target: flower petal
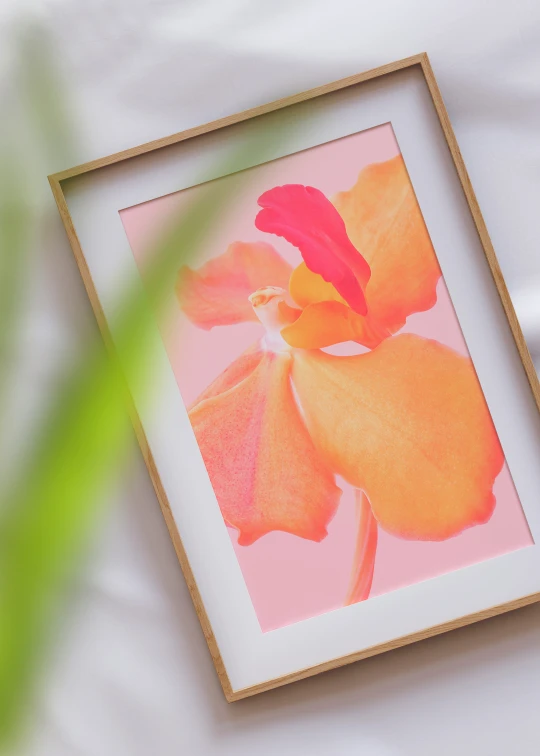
(261, 461)
(384, 222)
(307, 219)
(320, 325)
(325, 323)
(217, 293)
(365, 551)
(325, 310)
(306, 287)
(233, 374)
(408, 424)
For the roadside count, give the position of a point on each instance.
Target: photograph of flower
(330, 389)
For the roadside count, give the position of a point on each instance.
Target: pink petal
(307, 219)
(217, 293)
(260, 459)
(233, 374)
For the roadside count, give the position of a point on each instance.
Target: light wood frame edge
(56, 180)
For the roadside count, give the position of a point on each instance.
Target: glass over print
(329, 386)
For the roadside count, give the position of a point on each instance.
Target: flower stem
(364, 556)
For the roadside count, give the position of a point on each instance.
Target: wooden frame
(56, 182)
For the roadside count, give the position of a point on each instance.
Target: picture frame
(90, 197)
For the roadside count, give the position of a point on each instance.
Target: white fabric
(132, 674)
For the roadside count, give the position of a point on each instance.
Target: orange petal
(320, 325)
(365, 551)
(385, 224)
(408, 424)
(261, 461)
(217, 293)
(325, 323)
(307, 287)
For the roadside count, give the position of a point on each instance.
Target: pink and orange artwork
(329, 387)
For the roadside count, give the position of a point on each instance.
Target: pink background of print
(289, 578)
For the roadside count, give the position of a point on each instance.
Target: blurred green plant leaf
(48, 510)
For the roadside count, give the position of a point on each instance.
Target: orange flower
(405, 424)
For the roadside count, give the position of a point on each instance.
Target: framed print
(344, 431)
